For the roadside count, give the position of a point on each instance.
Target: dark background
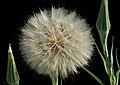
(15, 13)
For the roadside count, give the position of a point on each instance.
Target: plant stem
(54, 79)
(60, 80)
(94, 76)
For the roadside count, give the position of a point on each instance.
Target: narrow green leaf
(94, 76)
(118, 71)
(103, 58)
(117, 59)
(12, 74)
(111, 59)
(112, 52)
(117, 76)
(103, 24)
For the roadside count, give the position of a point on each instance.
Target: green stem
(60, 80)
(101, 55)
(117, 76)
(54, 79)
(94, 76)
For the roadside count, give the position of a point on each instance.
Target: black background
(15, 13)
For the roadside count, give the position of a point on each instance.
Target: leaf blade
(103, 24)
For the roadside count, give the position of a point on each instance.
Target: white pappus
(56, 41)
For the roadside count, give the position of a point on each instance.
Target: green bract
(12, 74)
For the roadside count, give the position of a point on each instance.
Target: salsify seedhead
(56, 41)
